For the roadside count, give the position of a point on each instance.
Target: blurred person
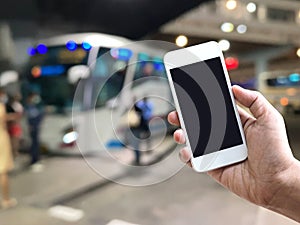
(15, 110)
(133, 134)
(35, 113)
(145, 109)
(6, 160)
(270, 176)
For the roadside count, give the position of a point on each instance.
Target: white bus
(282, 89)
(93, 79)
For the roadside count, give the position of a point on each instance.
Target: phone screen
(206, 106)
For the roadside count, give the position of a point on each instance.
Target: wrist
(286, 200)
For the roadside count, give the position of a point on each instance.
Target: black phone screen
(206, 106)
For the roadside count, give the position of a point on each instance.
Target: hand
(260, 178)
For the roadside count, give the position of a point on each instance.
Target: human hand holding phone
(201, 90)
(270, 176)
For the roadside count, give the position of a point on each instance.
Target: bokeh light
(42, 48)
(231, 4)
(181, 41)
(251, 7)
(241, 29)
(71, 45)
(224, 45)
(227, 27)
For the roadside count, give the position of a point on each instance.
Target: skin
(4, 180)
(4, 187)
(270, 177)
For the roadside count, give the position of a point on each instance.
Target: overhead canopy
(129, 18)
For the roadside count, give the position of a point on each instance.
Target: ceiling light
(231, 4)
(251, 7)
(241, 29)
(224, 45)
(181, 41)
(298, 52)
(227, 27)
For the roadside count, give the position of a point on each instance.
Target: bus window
(149, 67)
(108, 75)
(47, 75)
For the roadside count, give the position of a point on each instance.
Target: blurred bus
(282, 89)
(98, 76)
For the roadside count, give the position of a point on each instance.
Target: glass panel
(109, 74)
(47, 75)
(148, 66)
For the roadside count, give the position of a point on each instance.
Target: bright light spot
(31, 51)
(86, 46)
(291, 91)
(231, 63)
(224, 45)
(284, 101)
(251, 7)
(294, 77)
(36, 71)
(70, 137)
(227, 27)
(181, 41)
(241, 29)
(71, 45)
(231, 4)
(42, 48)
(7, 77)
(298, 52)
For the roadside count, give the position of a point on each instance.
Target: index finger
(173, 118)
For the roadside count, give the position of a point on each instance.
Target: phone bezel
(194, 54)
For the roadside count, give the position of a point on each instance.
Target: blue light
(31, 51)
(143, 57)
(294, 77)
(42, 48)
(159, 66)
(282, 80)
(52, 70)
(86, 46)
(71, 45)
(124, 54)
(114, 53)
(121, 53)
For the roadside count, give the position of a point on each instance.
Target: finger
(253, 100)
(185, 156)
(179, 136)
(173, 118)
(245, 116)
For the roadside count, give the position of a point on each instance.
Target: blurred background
(72, 71)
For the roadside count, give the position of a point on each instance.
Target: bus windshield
(48, 75)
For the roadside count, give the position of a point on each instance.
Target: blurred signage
(54, 70)
(71, 57)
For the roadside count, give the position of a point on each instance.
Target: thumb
(255, 101)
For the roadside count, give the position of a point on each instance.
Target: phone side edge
(174, 95)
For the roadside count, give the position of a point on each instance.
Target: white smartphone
(205, 104)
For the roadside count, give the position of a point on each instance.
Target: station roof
(129, 18)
